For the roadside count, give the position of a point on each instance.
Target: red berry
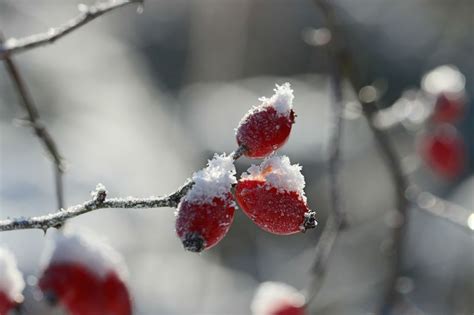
(267, 127)
(201, 226)
(85, 276)
(206, 212)
(73, 286)
(444, 152)
(6, 304)
(11, 282)
(272, 196)
(116, 296)
(274, 298)
(449, 107)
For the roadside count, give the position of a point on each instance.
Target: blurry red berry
(85, 276)
(444, 151)
(267, 127)
(272, 196)
(289, 310)
(206, 212)
(202, 225)
(11, 282)
(274, 298)
(6, 303)
(449, 107)
(116, 296)
(73, 286)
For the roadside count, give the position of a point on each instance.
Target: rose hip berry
(266, 127)
(84, 275)
(206, 212)
(449, 107)
(11, 282)
(444, 151)
(272, 196)
(274, 298)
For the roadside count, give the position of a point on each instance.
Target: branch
(337, 217)
(27, 103)
(87, 14)
(441, 208)
(99, 201)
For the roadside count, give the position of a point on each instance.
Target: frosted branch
(86, 15)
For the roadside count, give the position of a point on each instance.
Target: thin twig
(337, 215)
(99, 201)
(87, 14)
(27, 103)
(392, 160)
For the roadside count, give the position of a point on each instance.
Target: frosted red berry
(202, 225)
(73, 286)
(449, 107)
(272, 197)
(11, 282)
(206, 212)
(116, 296)
(267, 127)
(444, 152)
(274, 298)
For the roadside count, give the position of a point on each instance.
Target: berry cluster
(442, 147)
(85, 276)
(270, 194)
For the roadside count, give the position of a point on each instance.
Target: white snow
(215, 180)
(11, 279)
(272, 295)
(282, 100)
(446, 78)
(278, 172)
(83, 248)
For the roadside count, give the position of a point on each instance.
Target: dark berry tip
(51, 298)
(309, 221)
(194, 242)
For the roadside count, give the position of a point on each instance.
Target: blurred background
(138, 102)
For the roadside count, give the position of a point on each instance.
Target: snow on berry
(266, 127)
(275, 298)
(11, 282)
(206, 212)
(444, 151)
(85, 275)
(84, 249)
(272, 196)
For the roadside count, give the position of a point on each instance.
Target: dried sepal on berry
(84, 275)
(266, 127)
(275, 298)
(11, 282)
(206, 212)
(272, 196)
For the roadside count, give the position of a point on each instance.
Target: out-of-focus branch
(87, 14)
(441, 208)
(33, 119)
(337, 215)
(99, 201)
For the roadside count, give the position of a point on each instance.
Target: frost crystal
(271, 296)
(278, 172)
(215, 180)
(282, 100)
(84, 249)
(11, 280)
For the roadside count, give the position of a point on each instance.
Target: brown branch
(27, 103)
(87, 14)
(337, 216)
